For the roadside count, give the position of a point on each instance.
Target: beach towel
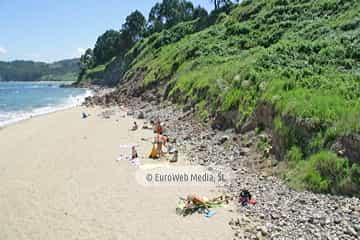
(135, 162)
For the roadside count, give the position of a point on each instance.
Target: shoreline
(73, 101)
(18, 121)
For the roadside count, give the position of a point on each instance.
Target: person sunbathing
(135, 127)
(85, 115)
(133, 153)
(154, 153)
(159, 145)
(158, 128)
(161, 140)
(164, 139)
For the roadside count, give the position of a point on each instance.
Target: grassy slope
(300, 55)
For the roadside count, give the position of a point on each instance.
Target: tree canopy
(163, 15)
(87, 59)
(113, 43)
(199, 12)
(134, 26)
(168, 13)
(106, 46)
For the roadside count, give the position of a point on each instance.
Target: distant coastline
(31, 71)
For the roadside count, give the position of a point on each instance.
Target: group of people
(160, 142)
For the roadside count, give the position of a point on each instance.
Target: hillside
(65, 70)
(290, 67)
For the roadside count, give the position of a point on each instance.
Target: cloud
(3, 51)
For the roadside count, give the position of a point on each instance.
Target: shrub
(316, 183)
(294, 154)
(346, 186)
(237, 29)
(355, 174)
(331, 166)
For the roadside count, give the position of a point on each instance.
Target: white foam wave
(7, 118)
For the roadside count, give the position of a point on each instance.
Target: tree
(134, 25)
(87, 59)
(221, 3)
(155, 20)
(106, 46)
(168, 13)
(86, 62)
(200, 12)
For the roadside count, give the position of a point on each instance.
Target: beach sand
(59, 179)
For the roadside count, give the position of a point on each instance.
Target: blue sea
(22, 100)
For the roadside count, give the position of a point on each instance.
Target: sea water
(22, 100)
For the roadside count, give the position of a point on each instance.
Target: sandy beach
(60, 180)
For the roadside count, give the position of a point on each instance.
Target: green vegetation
(301, 56)
(264, 57)
(114, 43)
(168, 13)
(294, 155)
(324, 172)
(65, 70)
(111, 44)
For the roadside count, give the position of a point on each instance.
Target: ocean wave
(7, 118)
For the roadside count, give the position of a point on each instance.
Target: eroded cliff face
(299, 132)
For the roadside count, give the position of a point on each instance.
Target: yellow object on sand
(154, 153)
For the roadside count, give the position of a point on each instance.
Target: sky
(52, 30)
